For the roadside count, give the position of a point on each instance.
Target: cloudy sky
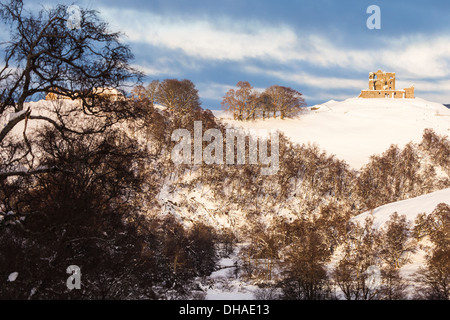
(321, 48)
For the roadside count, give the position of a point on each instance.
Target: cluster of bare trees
(74, 187)
(438, 147)
(292, 260)
(378, 253)
(179, 96)
(329, 195)
(245, 103)
(399, 174)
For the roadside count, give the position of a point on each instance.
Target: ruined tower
(382, 85)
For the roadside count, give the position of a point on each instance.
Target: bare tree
(46, 55)
(152, 90)
(359, 252)
(247, 104)
(148, 92)
(242, 103)
(393, 286)
(434, 278)
(178, 96)
(307, 277)
(396, 244)
(286, 101)
(265, 105)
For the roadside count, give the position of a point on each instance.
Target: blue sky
(321, 48)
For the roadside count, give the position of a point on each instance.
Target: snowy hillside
(263, 227)
(357, 128)
(411, 208)
(353, 129)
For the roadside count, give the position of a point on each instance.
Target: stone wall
(382, 85)
(396, 94)
(409, 92)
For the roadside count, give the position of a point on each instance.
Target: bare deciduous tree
(245, 103)
(242, 103)
(178, 96)
(286, 101)
(359, 252)
(395, 242)
(45, 56)
(434, 278)
(148, 92)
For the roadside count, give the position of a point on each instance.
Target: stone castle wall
(382, 85)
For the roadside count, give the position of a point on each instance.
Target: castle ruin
(382, 85)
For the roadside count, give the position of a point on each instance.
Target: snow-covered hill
(357, 128)
(410, 208)
(353, 130)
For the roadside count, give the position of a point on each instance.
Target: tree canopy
(245, 103)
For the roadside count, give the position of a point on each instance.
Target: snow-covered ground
(353, 130)
(357, 128)
(225, 283)
(411, 208)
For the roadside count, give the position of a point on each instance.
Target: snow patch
(411, 208)
(13, 276)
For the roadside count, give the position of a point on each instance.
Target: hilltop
(356, 128)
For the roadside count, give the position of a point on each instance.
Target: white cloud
(303, 78)
(227, 39)
(202, 38)
(416, 59)
(436, 97)
(419, 56)
(426, 86)
(152, 71)
(412, 56)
